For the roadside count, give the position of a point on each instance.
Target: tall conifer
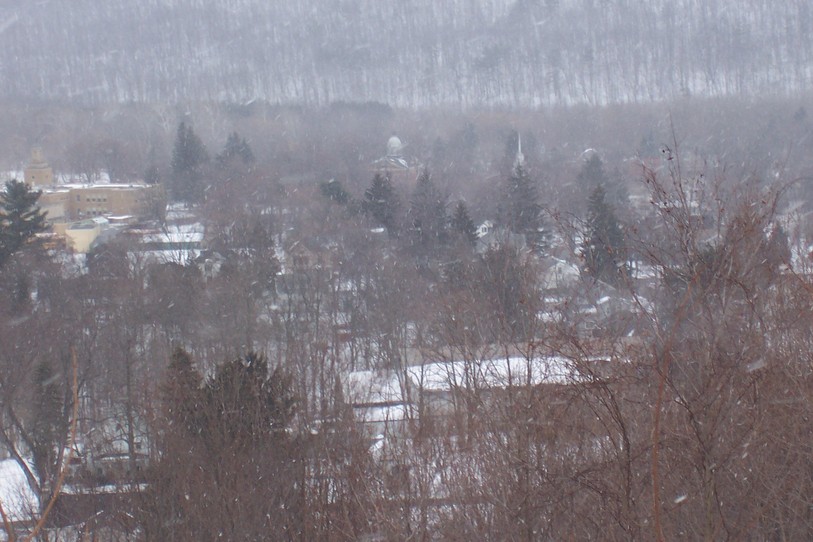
(20, 218)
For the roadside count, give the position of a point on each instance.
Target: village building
(64, 203)
(384, 402)
(38, 173)
(395, 164)
(67, 202)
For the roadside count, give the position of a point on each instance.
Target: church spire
(519, 160)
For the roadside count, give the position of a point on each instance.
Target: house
(441, 384)
(381, 401)
(560, 276)
(494, 237)
(484, 229)
(175, 243)
(384, 402)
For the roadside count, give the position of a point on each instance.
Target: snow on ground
(15, 495)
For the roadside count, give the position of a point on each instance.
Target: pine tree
(521, 211)
(152, 175)
(510, 156)
(188, 158)
(236, 149)
(20, 218)
(181, 392)
(428, 215)
(48, 420)
(592, 173)
(604, 251)
(505, 280)
(462, 224)
(228, 463)
(334, 191)
(381, 202)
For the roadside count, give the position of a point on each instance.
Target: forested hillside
(416, 53)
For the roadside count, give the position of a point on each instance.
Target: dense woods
(411, 54)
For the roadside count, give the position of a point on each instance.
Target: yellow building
(80, 235)
(65, 203)
(107, 199)
(77, 202)
(38, 173)
(54, 202)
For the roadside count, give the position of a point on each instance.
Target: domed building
(395, 164)
(394, 147)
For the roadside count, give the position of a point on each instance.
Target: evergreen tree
(245, 404)
(461, 154)
(520, 149)
(505, 280)
(236, 149)
(152, 175)
(228, 463)
(604, 252)
(181, 391)
(428, 215)
(439, 158)
(48, 420)
(334, 191)
(20, 218)
(521, 211)
(251, 241)
(462, 224)
(381, 202)
(777, 251)
(512, 153)
(188, 159)
(592, 173)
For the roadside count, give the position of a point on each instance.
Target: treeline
(421, 54)
(293, 144)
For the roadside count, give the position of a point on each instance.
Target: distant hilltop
(463, 53)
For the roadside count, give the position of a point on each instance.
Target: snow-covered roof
(95, 186)
(174, 237)
(388, 388)
(383, 414)
(374, 387)
(88, 224)
(492, 373)
(560, 275)
(175, 233)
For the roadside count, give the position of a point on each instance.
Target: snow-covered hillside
(415, 53)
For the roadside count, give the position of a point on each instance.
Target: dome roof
(394, 146)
